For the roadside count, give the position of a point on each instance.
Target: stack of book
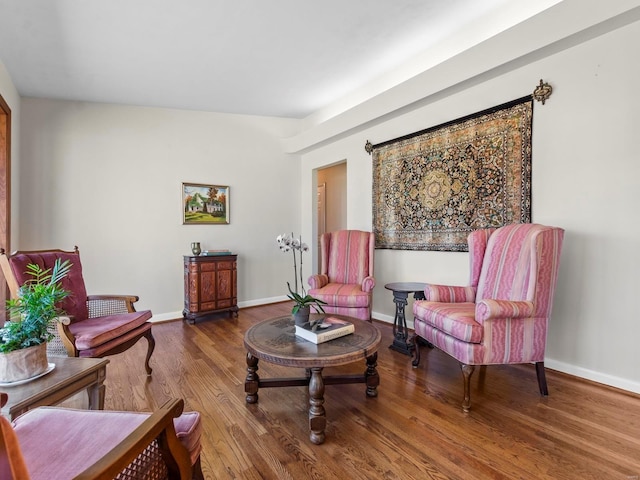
(324, 329)
(216, 252)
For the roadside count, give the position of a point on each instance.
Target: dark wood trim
(5, 190)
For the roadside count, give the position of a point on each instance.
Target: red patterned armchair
(97, 325)
(502, 316)
(346, 278)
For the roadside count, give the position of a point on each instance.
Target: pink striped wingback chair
(501, 316)
(346, 278)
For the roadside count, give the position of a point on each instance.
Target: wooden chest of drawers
(210, 285)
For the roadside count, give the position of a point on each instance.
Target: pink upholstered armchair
(501, 316)
(346, 278)
(52, 443)
(97, 325)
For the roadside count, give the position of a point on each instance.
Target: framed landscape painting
(204, 204)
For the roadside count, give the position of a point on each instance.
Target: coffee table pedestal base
(316, 384)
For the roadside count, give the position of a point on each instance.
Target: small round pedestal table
(401, 291)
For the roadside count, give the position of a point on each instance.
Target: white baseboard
(165, 317)
(386, 318)
(262, 301)
(168, 316)
(599, 377)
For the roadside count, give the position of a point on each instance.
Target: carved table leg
(253, 380)
(317, 416)
(372, 379)
(96, 392)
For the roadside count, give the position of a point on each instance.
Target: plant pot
(24, 363)
(302, 315)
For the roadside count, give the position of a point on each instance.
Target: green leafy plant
(306, 301)
(35, 309)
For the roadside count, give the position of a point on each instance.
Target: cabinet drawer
(226, 303)
(208, 267)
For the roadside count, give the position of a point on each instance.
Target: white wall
(586, 179)
(108, 178)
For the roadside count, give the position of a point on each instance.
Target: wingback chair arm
(117, 303)
(318, 281)
(159, 425)
(368, 283)
(66, 337)
(489, 309)
(449, 294)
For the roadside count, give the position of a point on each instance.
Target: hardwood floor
(414, 429)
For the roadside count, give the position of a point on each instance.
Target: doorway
(5, 190)
(332, 201)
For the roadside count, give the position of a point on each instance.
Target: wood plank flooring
(414, 429)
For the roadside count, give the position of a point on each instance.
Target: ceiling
(284, 58)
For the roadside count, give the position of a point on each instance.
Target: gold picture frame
(205, 204)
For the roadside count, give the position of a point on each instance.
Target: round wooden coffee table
(274, 341)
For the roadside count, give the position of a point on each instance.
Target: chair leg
(152, 345)
(467, 371)
(542, 379)
(482, 374)
(416, 350)
(197, 470)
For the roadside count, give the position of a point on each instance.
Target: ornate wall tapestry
(432, 188)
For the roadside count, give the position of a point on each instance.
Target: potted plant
(23, 339)
(302, 306)
(302, 302)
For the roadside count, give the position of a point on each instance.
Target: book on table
(324, 329)
(212, 253)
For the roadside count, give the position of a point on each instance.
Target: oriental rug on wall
(433, 187)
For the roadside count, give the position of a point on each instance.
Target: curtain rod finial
(542, 92)
(368, 147)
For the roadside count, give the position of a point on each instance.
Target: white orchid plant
(289, 243)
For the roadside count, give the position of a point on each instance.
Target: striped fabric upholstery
(514, 271)
(346, 278)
